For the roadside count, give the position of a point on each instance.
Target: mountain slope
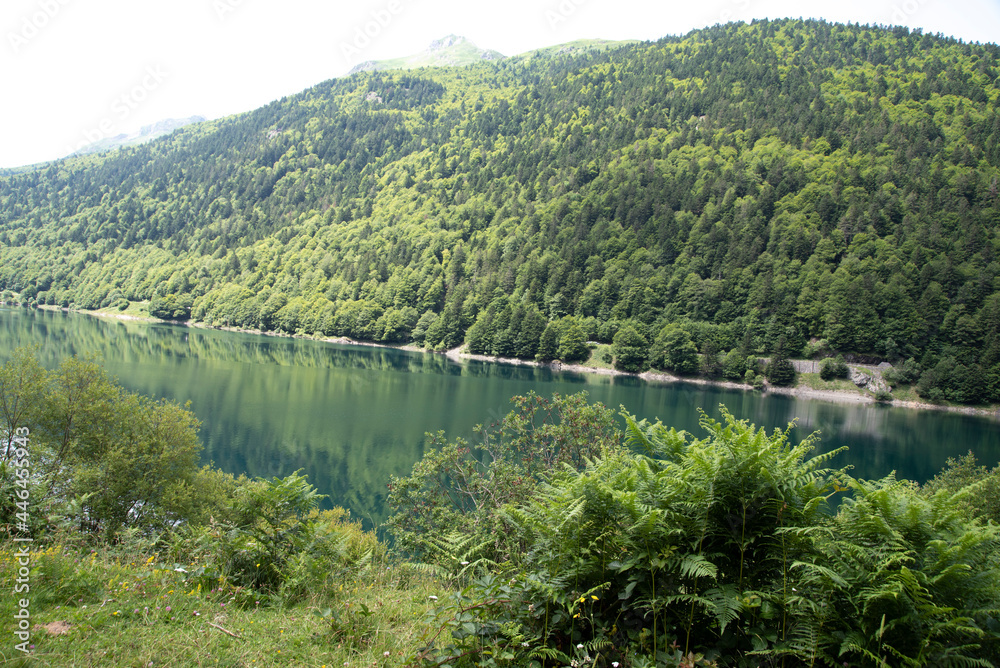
(144, 134)
(755, 186)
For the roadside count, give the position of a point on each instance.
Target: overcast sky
(73, 71)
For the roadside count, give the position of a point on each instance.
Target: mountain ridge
(144, 134)
(449, 51)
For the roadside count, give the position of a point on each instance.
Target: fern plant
(901, 579)
(688, 540)
(728, 550)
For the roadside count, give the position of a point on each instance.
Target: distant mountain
(143, 135)
(450, 51)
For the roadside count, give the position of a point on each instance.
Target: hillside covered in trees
(743, 189)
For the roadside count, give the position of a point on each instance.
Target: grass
(909, 393)
(597, 352)
(127, 609)
(814, 382)
(134, 309)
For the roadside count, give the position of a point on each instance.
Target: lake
(351, 416)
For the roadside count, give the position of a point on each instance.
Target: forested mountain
(745, 187)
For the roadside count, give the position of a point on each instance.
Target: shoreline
(664, 378)
(652, 377)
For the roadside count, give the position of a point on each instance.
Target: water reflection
(351, 416)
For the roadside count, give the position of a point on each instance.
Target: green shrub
(448, 506)
(674, 350)
(724, 549)
(279, 543)
(883, 396)
(974, 486)
(833, 367)
(734, 365)
(906, 373)
(109, 459)
(687, 542)
(897, 578)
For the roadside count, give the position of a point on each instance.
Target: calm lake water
(351, 416)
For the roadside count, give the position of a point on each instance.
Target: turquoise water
(351, 416)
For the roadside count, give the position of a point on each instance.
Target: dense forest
(780, 188)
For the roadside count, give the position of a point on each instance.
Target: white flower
(385, 654)
(432, 597)
(614, 664)
(580, 646)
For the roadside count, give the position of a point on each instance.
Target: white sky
(78, 70)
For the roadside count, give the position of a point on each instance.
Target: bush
(572, 342)
(906, 373)
(688, 541)
(883, 396)
(832, 368)
(270, 528)
(975, 487)
(278, 543)
(110, 459)
(449, 504)
(814, 348)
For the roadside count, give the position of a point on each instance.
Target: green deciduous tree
(674, 350)
(630, 350)
(458, 488)
(111, 458)
(572, 341)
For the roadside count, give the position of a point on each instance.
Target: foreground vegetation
(556, 539)
(742, 188)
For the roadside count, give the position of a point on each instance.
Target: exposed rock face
(869, 378)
